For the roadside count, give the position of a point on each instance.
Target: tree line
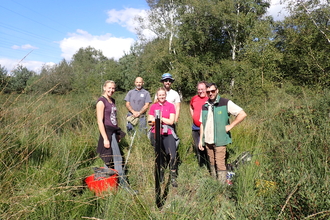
(230, 42)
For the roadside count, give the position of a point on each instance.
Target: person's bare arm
(169, 121)
(130, 109)
(137, 113)
(144, 108)
(177, 111)
(151, 120)
(200, 144)
(100, 115)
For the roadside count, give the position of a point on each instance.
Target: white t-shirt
(233, 109)
(172, 96)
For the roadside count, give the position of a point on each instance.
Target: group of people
(210, 128)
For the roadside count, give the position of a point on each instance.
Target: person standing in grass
(137, 103)
(168, 136)
(110, 133)
(215, 129)
(172, 96)
(196, 103)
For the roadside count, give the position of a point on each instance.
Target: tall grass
(48, 147)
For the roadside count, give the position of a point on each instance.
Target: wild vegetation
(278, 71)
(49, 142)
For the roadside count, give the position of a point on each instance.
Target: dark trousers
(168, 149)
(202, 157)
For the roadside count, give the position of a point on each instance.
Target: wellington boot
(213, 172)
(161, 175)
(222, 176)
(173, 178)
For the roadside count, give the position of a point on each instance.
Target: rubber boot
(161, 175)
(173, 178)
(222, 176)
(213, 172)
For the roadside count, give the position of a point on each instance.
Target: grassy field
(48, 148)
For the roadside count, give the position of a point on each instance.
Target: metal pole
(158, 161)
(129, 150)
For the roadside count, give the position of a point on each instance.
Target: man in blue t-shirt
(137, 103)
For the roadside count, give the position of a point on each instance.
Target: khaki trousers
(217, 156)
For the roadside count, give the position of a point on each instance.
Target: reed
(49, 142)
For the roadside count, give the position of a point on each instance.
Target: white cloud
(15, 47)
(35, 65)
(278, 10)
(111, 47)
(24, 47)
(11, 64)
(126, 17)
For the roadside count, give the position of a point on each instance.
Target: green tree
(89, 66)
(260, 60)
(213, 33)
(305, 44)
(56, 79)
(163, 20)
(18, 80)
(3, 78)
(111, 71)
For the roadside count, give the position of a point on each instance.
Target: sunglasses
(168, 80)
(211, 91)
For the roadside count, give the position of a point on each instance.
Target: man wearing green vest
(215, 129)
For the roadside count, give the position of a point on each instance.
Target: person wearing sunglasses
(172, 96)
(215, 129)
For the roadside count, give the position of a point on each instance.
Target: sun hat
(166, 76)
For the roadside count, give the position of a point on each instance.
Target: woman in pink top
(167, 110)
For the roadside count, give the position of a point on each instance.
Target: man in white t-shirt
(172, 96)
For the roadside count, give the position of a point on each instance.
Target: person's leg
(129, 126)
(117, 158)
(204, 158)
(163, 162)
(220, 159)
(170, 148)
(210, 148)
(195, 135)
(118, 164)
(105, 153)
(143, 124)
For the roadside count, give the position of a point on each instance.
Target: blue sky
(47, 31)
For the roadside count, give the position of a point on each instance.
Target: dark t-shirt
(110, 112)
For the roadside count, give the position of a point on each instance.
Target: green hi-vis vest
(220, 118)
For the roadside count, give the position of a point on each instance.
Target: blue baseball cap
(167, 76)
